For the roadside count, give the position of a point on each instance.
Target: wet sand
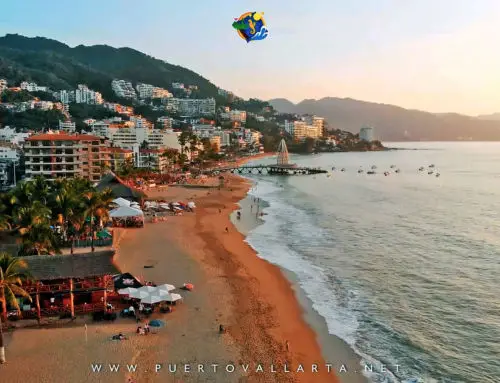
(335, 350)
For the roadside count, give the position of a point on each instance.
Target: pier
(281, 168)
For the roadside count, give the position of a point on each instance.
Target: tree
(183, 139)
(13, 272)
(97, 205)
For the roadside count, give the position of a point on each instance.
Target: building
(302, 130)
(141, 122)
(64, 284)
(10, 135)
(165, 122)
(215, 142)
(290, 127)
(225, 139)
(84, 95)
(318, 122)
(3, 85)
(191, 107)
(150, 159)
(161, 93)
(67, 126)
(32, 87)
(366, 134)
(123, 89)
(9, 158)
(55, 155)
(119, 156)
(177, 85)
(144, 90)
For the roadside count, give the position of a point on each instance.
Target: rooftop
(62, 137)
(49, 267)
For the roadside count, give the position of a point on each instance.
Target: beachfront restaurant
(68, 285)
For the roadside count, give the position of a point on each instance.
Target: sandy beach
(233, 286)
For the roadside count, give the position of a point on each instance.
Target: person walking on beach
(227, 229)
(287, 345)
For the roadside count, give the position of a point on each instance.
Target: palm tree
(12, 274)
(183, 139)
(97, 205)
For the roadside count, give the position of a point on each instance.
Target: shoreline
(333, 348)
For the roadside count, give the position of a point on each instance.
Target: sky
(433, 55)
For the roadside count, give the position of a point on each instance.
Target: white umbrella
(139, 294)
(127, 291)
(147, 289)
(152, 299)
(165, 295)
(174, 297)
(191, 205)
(121, 202)
(166, 287)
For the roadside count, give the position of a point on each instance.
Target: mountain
(58, 66)
(491, 117)
(393, 123)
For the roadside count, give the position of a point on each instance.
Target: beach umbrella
(127, 291)
(148, 289)
(152, 299)
(139, 294)
(156, 323)
(173, 298)
(166, 287)
(121, 202)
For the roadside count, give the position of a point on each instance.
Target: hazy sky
(435, 55)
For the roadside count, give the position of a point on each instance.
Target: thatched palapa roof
(49, 267)
(119, 188)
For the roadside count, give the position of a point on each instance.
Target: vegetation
(10, 96)
(13, 272)
(35, 209)
(32, 119)
(56, 65)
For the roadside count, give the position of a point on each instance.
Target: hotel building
(56, 155)
(366, 134)
(119, 156)
(191, 107)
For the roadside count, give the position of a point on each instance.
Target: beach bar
(67, 285)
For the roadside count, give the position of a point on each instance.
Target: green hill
(58, 66)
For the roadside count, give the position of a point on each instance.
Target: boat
(421, 169)
(334, 168)
(431, 172)
(342, 170)
(371, 172)
(431, 165)
(374, 167)
(437, 174)
(393, 166)
(398, 171)
(386, 174)
(360, 171)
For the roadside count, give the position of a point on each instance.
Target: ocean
(404, 268)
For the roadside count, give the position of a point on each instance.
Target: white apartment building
(67, 126)
(66, 96)
(8, 153)
(366, 134)
(238, 115)
(302, 130)
(140, 122)
(9, 134)
(177, 85)
(161, 93)
(3, 85)
(191, 107)
(123, 89)
(290, 127)
(206, 131)
(144, 90)
(84, 95)
(32, 87)
(165, 122)
(150, 159)
(225, 139)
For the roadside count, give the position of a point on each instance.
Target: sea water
(406, 267)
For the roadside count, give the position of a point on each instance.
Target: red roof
(150, 151)
(120, 150)
(62, 137)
